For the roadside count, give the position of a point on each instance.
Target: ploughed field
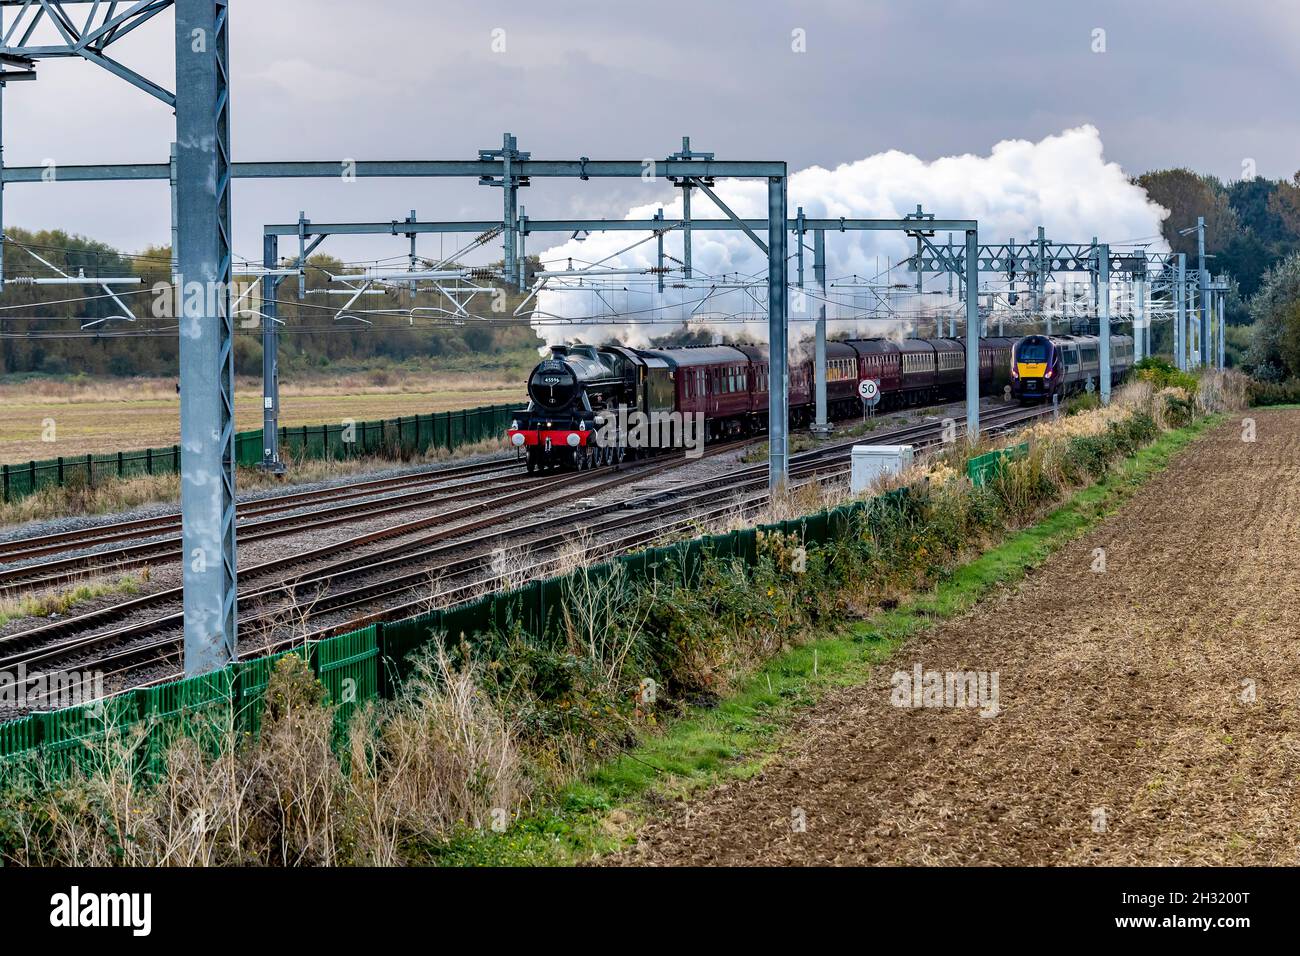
(1148, 713)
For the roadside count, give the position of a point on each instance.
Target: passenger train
(576, 392)
(1044, 367)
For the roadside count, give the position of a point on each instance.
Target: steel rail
(155, 652)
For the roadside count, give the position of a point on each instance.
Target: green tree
(1275, 346)
(1188, 195)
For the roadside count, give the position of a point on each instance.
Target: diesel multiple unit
(1043, 367)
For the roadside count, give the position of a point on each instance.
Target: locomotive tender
(1044, 367)
(577, 396)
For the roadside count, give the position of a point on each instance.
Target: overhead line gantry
(201, 172)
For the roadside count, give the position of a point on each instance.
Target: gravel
(58, 525)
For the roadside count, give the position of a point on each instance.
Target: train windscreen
(1031, 352)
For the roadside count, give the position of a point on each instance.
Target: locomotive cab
(1036, 369)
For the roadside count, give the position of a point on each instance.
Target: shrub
(1275, 393)
(1086, 402)
(1161, 374)
(1179, 409)
(482, 723)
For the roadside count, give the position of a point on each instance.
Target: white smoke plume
(1062, 182)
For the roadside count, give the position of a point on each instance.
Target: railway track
(21, 549)
(478, 516)
(253, 526)
(329, 592)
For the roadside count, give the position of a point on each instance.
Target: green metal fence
(370, 663)
(392, 437)
(985, 468)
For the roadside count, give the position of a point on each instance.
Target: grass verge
(61, 600)
(113, 495)
(735, 738)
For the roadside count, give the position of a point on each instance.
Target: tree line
(49, 330)
(1252, 234)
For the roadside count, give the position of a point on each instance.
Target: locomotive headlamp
(573, 439)
(517, 438)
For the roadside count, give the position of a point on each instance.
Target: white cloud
(1062, 182)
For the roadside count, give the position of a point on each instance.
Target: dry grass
(98, 416)
(107, 497)
(1226, 391)
(441, 759)
(113, 496)
(419, 769)
(79, 391)
(61, 600)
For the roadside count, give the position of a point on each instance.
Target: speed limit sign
(869, 390)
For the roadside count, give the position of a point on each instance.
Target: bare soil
(1150, 713)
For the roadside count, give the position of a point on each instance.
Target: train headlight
(573, 439)
(517, 439)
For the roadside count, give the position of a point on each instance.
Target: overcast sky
(1197, 84)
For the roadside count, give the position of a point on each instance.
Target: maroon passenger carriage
(727, 385)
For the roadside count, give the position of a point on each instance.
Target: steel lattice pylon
(48, 29)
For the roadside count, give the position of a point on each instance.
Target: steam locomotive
(582, 398)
